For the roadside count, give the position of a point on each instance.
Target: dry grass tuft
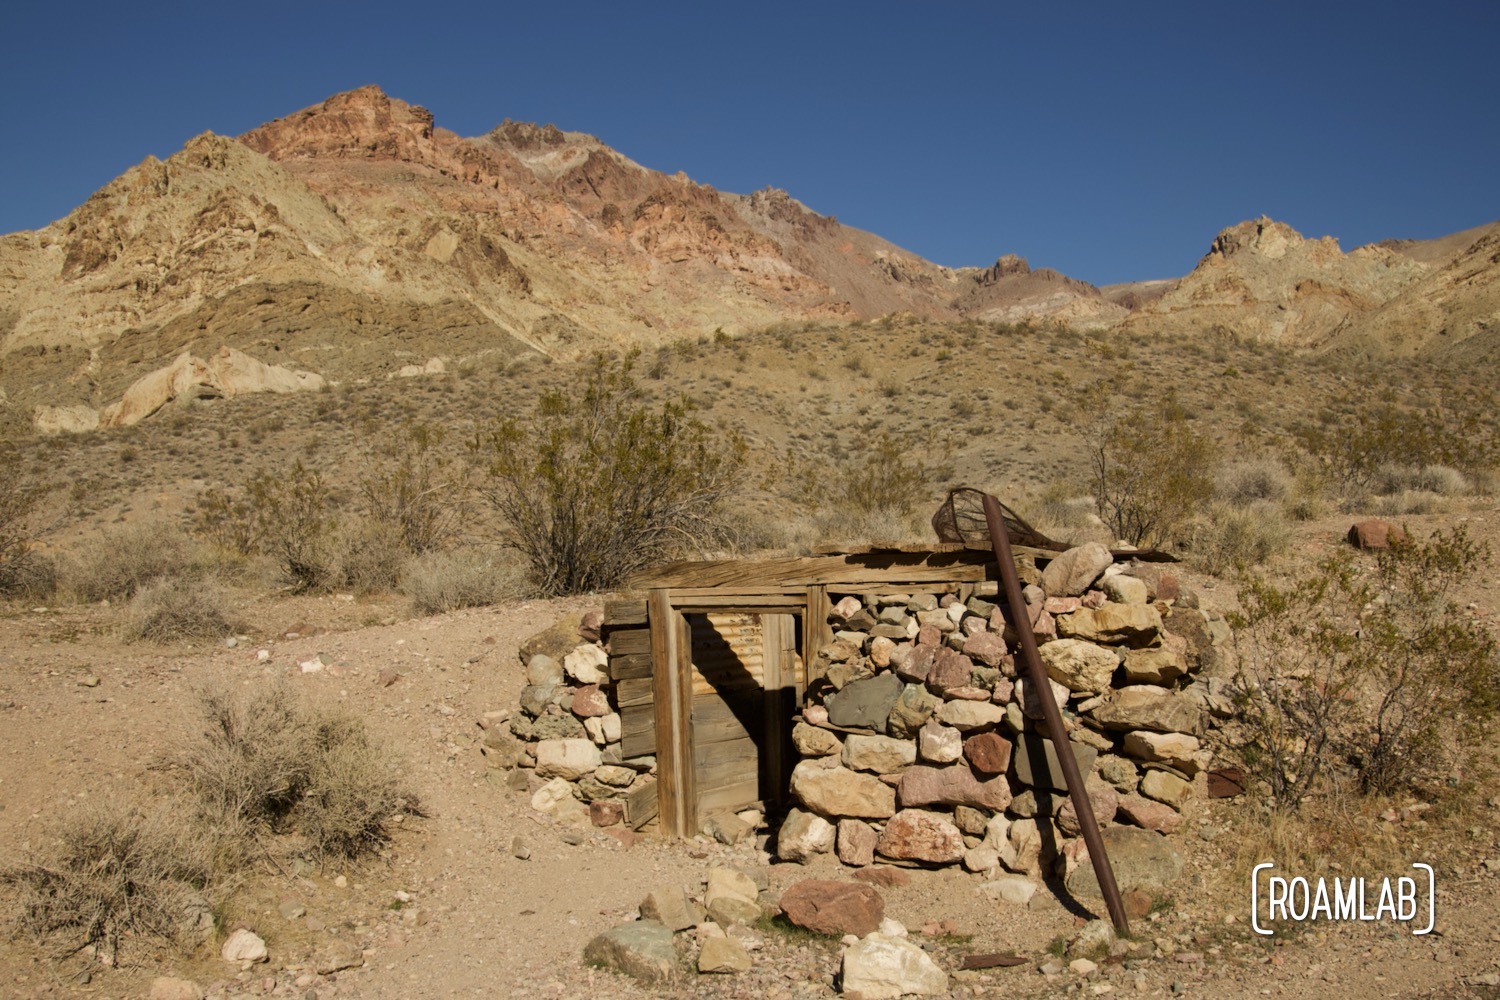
(123, 560)
(177, 610)
(465, 578)
(118, 870)
(264, 757)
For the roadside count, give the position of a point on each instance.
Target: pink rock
(985, 647)
(919, 664)
(950, 670)
(847, 608)
(1103, 800)
(590, 702)
(1375, 534)
(1095, 599)
(988, 753)
(834, 908)
(967, 694)
(1144, 812)
(952, 786)
(1062, 605)
(589, 626)
(929, 635)
(606, 812)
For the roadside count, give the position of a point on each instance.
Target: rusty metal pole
(1040, 683)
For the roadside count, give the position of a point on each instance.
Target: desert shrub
(1439, 480)
(1150, 470)
(294, 520)
(266, 758)
(125, 558)
(1434, 667)
(1228, 536)
(172, 609)
(366, 556)
(1406, 502)
(22, 571)
(464, 578)
(1355, 441)
(226, 520)
(599, 484)
(421, 494)
(117, 870)
(1245, 481)
(872, 489)
(1374, 673)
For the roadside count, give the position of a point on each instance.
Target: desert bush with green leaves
(420, 493)
(1365, 672)
(1150, 469)
(1361, 443)
(598, 483)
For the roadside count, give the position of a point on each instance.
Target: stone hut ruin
(868, 703)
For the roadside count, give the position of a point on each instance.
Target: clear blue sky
(1108, 140)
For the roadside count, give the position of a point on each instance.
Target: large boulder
(879, 754)
(1141, 859)
(1038, 765)
(642, 950)
(879, 967)
(1110, 623)
(803, 836)
(913, 707)
(838, 791)
(835, 908)
(811, 741)
(567, 759)
(1174, 749)
(865, 704)
(969, 715)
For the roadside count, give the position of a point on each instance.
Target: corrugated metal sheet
(728, 653)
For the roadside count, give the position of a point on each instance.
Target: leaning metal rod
(1042, 685)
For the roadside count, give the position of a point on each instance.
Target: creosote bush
(1370, 673)
(418, 492)
(1150, 470)
(599, 484)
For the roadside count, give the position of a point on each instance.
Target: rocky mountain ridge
(356, 237)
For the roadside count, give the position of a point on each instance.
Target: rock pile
(923, 744)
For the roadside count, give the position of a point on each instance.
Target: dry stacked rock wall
(921, 743)
(566, 740)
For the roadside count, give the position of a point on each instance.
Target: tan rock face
(918, 835)
(839, 791)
